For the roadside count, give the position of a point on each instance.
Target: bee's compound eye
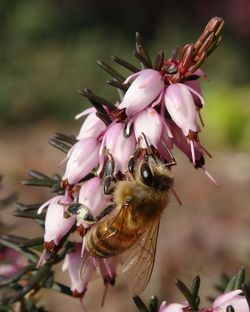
(146, 174)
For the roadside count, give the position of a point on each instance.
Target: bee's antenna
(146, 141)
(173, 162)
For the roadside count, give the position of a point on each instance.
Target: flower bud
(143, 91)
(82, 158)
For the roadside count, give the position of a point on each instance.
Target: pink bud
(73, 263)
(82, 158)
(148, 122)
(173, 307)
(120, 147)
(143, 91)
(56, 225)
(11, 262)
(233, 298)
(108, 268)
(180, 105)
(91, 195)
(92, 125)
(196, 86)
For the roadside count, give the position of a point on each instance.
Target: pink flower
(196, 86)
(73, 263)
(91, 195)
(181, 107)
(173, 307)
(121, 148)
(233, 298)
(148, 122)
(92, 125)
(143, 91)
(82, 158)
(11, 262)
(56, 225)
(181, 142)
(108, 268)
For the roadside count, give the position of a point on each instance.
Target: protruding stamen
(191, 142)
(83, 305)
(104, 295)
(176, 196)
(210, 176)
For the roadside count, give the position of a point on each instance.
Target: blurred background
(48, 50)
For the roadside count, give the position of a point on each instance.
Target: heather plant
(158, 108)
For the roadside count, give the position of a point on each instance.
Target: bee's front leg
(83, 213)
(109, 175)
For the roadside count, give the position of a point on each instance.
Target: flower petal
(83, 158)
(233, 298)
(120, 147)
(148, 122)
(91, 195)
(180, 105)
(91, 127)
(143, 91)
(56, 226)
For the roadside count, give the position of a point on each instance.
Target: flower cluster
(234, 298)
(159, 108)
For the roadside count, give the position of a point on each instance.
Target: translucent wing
(114, 225)
(139, 266)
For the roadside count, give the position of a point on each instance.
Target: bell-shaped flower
(91, 195)
(144, 90)
(196, 86)
(11, 262)
(148, 122)
(181, 142)
(118, 146)
(108, 269)
(165, 143)
(73, 263)
(56, 225)
(233, 298)
(193, 151)
(92, 126)
(82, 158)
(181, 107)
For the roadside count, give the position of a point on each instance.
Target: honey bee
(133, 225)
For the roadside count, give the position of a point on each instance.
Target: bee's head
(152, 172)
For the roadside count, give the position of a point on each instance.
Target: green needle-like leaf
(159, 61)
(153, 304)
(141, 49)
(187, 294)
(231, 284)
(240, 278)
(111, 71)
(195, 286)
(140, 304)
(125, 64)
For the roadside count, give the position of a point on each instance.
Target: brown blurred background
(48, 50)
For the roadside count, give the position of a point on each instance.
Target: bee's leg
(134, 157)
(173, 161)
(109, 175)
(105, 212)
(82, 212)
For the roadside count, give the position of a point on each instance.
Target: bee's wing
(139, 265)
(119, 217)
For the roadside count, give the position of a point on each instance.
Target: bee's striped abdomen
(109, 239)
